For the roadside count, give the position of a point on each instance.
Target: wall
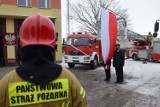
(12, 11)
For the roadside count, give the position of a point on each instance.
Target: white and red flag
(108, 34)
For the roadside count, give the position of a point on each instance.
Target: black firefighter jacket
(118, 58)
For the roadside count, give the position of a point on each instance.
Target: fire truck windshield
(78, 41)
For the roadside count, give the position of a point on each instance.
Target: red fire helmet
(37, 30)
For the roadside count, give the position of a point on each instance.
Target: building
(12, 14)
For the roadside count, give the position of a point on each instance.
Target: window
(26, 3)
(79, 41)
(44, 4)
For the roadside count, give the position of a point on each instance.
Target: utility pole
(68, 19)
(123, 23)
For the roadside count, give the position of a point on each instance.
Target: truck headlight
(86, 58)
(65, 57)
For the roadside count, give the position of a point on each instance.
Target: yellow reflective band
(65, 104)
(25, 93)
(82, 92)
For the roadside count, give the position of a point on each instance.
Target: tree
(87, 13)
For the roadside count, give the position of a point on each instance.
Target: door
(17, 25)
(2, 31)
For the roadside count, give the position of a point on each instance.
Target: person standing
(118, 63)
(107, 71)
(39, 81)
(150, 38)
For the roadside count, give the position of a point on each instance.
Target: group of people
(118, 63)
(119, 60)
(39, 81)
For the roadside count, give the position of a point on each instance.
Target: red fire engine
(82, 48)
(142, 50)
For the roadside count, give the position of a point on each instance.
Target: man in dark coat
(107, 70)
(118, 63)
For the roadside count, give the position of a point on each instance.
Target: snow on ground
(138, 77)
(141, 87)
(141, 78)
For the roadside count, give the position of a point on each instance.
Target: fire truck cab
(82, 48)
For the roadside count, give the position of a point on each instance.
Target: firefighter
(39, 82)
(118, 63)
(150, 38)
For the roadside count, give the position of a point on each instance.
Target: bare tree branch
(87, 13)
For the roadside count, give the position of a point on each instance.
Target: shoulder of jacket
(11, 73)
(70, 76)
(66, 73)
(8, 77)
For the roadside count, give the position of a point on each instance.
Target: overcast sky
(143, 14)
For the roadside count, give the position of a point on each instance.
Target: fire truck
(142, 50)
(82, 48)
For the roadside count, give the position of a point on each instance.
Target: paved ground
(104, 94)
(4, 70)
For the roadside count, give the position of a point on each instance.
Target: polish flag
(108, 34)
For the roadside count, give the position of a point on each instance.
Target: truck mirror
(95, 40)
(91, 41)
(56, 36)
(64, 42)
(155, 35)
(156, 27)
